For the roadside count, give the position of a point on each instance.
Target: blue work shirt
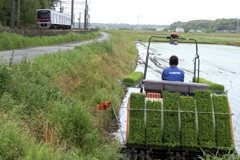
(173, 74)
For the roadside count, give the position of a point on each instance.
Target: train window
(43, 14)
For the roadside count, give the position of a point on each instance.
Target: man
(173, 73)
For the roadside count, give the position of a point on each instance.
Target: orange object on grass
(103, 105)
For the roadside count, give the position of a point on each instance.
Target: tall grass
(13, 41)
(51, 101)
(17, 143)
(48, 106)
(207, 155)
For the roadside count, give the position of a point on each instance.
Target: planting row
(180, 121)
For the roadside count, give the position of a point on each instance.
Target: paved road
(31, 53)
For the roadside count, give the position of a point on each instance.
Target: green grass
(55, 98)
(48, 106)
(205, 38)
(207, 155)
(17, 143)
(13, 41)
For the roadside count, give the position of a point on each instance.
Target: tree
(47, 3)
(206, 25)
(27, 11)
(5, 12)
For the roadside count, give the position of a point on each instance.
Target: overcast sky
(159, 12)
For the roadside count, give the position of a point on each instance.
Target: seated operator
(173, 73)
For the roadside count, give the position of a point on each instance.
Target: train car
(50, 19)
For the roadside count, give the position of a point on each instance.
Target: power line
(69, 2)
(83, 3)
(85, 7)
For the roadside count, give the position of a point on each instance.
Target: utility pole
(85, 15)
(72, 14)
(238, 30)
(79, 19)
(61, 8)
(88, 20)
(12, 14)
(18, 15)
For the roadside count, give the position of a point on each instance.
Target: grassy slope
(49, 104)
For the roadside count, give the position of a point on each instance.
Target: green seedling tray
(132, 79)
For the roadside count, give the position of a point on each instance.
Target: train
(50, 19)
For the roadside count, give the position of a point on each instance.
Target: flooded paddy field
(218, 63)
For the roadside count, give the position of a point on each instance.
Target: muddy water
(218, 63)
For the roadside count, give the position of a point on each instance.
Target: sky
(157, 12)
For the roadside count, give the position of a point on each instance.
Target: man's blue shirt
(173, 74)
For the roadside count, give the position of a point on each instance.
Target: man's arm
(163, 75)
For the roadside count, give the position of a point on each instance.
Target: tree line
(27, 16)
(207, 25)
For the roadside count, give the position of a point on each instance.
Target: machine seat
(173, 86)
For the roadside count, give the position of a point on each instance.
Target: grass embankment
(48, 106)
(14, 41)
(204, 38)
